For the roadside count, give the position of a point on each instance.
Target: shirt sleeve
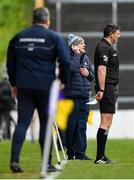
(64, 60)
(86, 62)
(103, 56)
(91, 73)
(75, 62)
(11, 62)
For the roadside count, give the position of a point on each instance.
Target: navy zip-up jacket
(78, 85)
(31, 58)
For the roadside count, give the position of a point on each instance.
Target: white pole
(61, 145)
(53, 98)
(56, 149)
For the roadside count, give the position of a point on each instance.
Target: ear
(47, 23)
(72, 46)
(111, 34)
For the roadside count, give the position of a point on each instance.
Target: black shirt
(107, 56)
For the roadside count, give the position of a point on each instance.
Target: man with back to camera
(31, 64)
(106, 66)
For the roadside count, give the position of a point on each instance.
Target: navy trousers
(28, 101)
(76, 142)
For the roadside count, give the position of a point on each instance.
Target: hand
(13, 92)
(75, 49)
(84, 72)
(99, 95)
(62, 86)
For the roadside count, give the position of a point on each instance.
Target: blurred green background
(14, 16)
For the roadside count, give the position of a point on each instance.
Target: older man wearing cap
(78, 89)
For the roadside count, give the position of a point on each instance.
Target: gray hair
(40, 15)
(74, 40)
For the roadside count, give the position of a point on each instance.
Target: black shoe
(103, 160)
(84, 158)
(51, 168)
(70, 157)
(15, 168)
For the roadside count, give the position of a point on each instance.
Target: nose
(119, 34)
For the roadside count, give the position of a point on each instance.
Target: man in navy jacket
(78, 89)
(31, 64)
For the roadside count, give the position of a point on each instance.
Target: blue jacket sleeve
(87, 63)
(91, 73)
(63, 60)
(11, 63)
(75, 62)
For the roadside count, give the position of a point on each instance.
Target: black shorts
(107, 103)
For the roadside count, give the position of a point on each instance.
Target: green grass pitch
(122, 151)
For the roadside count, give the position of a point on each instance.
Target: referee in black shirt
(106, 66)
